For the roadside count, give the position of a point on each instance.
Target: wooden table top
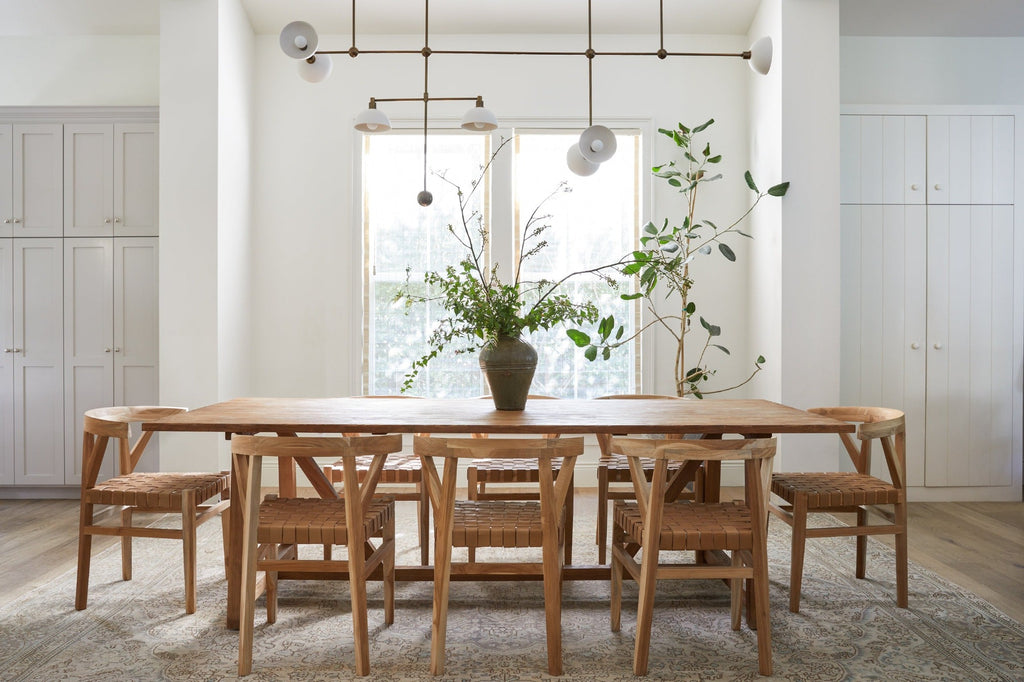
(336, 415)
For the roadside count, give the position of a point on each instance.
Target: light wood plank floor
(979, 546)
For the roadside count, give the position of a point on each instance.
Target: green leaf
(750, 181)
(743, 234)
(703, 125)
(761, 360)
(631, 297)
(675, 182)
(650, 228)
(606, 353)
(632, 268)
(590, 353)
(713, 329)
(779, 190)
(727, 252)
(721, 348)
(689, 157)
(715, 159)
(667, 133)
(690, 308)
(707, 150)
(578, 337)
(618, 334)
(605, 327)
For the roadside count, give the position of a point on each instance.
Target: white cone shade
(373, 121)
(597, 144)
(298, 40)
(479, 119)
(318, 70)
(761, 55)
(579, 165)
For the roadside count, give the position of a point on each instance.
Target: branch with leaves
(665, 257)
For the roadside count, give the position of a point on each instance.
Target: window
(593, 224)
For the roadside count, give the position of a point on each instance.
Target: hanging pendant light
(578, 163)
(761, 55)
(479, 119)
(373, 120)
(317, 68)
(298, 40)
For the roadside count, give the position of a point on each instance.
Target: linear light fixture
(596, 145)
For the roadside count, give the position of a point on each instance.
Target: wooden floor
(979, 546)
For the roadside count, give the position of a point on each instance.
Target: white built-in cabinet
(931, 292)
(78, 281)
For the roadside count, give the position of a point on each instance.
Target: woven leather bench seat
(510, 470)
(497, 523)
(157, 490)
(317, 521)
(398, 468)
(834, 489)
(691, 526)
(620, 464)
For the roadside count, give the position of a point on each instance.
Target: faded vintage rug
(847, 629)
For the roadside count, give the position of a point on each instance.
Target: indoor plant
(486, 313)
(665, 256)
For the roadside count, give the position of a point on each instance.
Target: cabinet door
(882, 333)
(883, 159)
(6, 181)
(6, 362)
(38, 180)
(39, 366)
(136, 172)
(971, 378)
(88, 342)
(136, 329)
(970, 159)
(88, 179)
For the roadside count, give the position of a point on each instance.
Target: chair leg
(225, 529)
(618, 539)
(796, 568)
(568, 520)
(736, 593)
(902, 579)
(423, 516)
(645, 608)
(188, 539)
(271, 585)
(862, 544)
(762, 611)
(126, 545)
(389, 572)
(552, 565)
(602, 514)
(84, 556)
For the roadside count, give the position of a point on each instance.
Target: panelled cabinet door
(88, 180)
(6, 362)
(136, 169)
(136, 329)
(6, 180)
(882, 159)
(88, 342)
(882, 333)
(971, 370)
(38, 180)
(38, 362)
(970, 159)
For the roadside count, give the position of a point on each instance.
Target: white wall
(307, 301)
(932, 70)
(79, 70)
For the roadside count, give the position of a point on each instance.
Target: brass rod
(353, 23)
(661, 24)
(544, 53)
(420, 99)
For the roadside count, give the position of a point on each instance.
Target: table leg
(247, 591)
(234, 565)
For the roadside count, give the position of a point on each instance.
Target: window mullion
(503, 210)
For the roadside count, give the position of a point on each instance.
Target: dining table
(749, 418)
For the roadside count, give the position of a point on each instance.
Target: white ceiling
(857, 17)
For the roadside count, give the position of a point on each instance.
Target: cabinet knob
(106, 221)
(938, 187)
(117, 220)
(16, 220)
(7, 221)
(915, 187)
(915, 346)
(12, 350)
(106, 350)
(116, 349)
(937, 346)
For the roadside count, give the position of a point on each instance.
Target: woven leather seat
(685, 526)
(857, 491)
(314, 521)
(710, 529)
(499, 523)
(157, 491)
(140, 492)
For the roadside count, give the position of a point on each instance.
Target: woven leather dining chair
(499, 523)
(653, 525)
(400, 470)
(515, 472)
(141, 492)
(285, 523)
(852, 491)
(614, 469)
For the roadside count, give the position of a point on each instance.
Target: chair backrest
(885, 424)
(756, 454)
(103, 423)
(604, 439)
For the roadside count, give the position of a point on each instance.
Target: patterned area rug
(847, 629)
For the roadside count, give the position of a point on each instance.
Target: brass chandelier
(596, 144)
